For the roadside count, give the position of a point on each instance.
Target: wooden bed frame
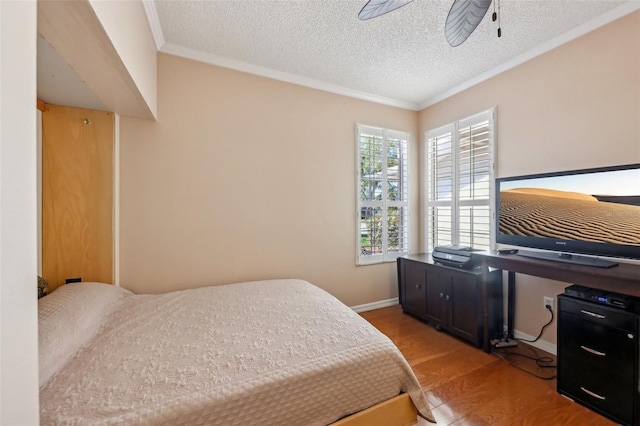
(397, 411)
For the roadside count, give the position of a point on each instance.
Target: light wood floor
(465, 386)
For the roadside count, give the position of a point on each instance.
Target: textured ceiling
(401, 56)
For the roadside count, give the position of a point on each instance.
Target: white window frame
(384, 204)
(456, 202)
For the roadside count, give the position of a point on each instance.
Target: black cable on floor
(541, 362)
(542, 329)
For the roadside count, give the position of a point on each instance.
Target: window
(459, 183)
(383, 194)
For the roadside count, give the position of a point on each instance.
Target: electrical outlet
(548, 301)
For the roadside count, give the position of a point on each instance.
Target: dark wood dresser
(450, 298)
(598, 357)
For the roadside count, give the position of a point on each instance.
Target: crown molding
(209, 58)
(154, 22)
(587, 27)
(196, 55)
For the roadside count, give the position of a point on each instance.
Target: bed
(278, 352)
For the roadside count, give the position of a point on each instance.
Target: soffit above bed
(401, 58)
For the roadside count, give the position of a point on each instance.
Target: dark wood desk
(623, 278)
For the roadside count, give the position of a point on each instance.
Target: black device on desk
(618, 300)
(456, 256)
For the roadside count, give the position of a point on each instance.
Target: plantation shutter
(383, 194)
(459, 159)
(474, 182)
(440, 187)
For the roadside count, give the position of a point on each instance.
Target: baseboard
(540, 344)
(375, 305)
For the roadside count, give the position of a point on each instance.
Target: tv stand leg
(511, 302)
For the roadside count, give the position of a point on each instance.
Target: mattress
(280, 352)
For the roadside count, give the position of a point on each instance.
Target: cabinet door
(413, 277)
(462, 307)
(77, 195)
(437, 294)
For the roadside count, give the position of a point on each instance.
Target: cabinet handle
(446, 297)
(593, 314)
(418, 286)
(441, 295)
(593, 351)
(593, 394)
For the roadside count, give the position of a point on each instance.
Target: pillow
(69, 318)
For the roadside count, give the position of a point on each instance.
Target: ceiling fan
(464, 16)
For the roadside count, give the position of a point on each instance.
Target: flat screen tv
(589, 211)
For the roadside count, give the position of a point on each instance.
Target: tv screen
(589, 211)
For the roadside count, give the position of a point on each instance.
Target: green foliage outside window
(371, 189)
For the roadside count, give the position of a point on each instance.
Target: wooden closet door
(77, 195)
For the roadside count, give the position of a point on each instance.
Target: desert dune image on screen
(591, 207)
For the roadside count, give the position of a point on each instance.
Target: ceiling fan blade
(375, 8)
(463, 18)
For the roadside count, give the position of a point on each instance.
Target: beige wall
(577, 106)
(247, 178)
(244, 178)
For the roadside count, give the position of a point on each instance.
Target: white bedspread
(280, 352)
